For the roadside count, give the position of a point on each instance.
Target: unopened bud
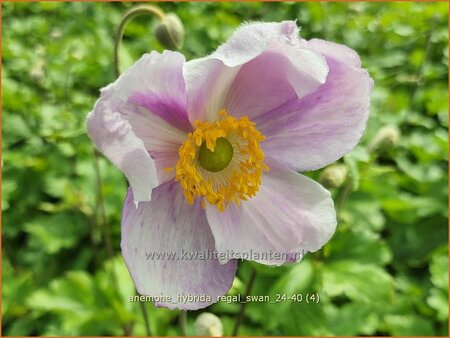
(208, 324)
(386, 138)
(334, 176)
(170, 31)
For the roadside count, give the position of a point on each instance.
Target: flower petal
(156, 83)
(113, 136)
(160, 138)
(260, 67)
(334, 50)
(143, 111)
(289, 215)
(319, 129)
(207, 81)
(281, 73)
(250, 40)
(168, 225)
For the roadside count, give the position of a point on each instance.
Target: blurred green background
(385, 272)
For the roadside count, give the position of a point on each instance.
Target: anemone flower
(212, 148)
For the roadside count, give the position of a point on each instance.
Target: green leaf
(366, 283)
(362, 246)
(305, 319)
(56, 232)
(298, 280)
(89, 304)
(408, 325)
(439, 269)
(438, 300)
(412, 243)
(363, 212)
(352, 319)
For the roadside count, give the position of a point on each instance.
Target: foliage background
(385, 272)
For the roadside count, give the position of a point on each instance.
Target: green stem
(106, 234)
(128, 16)
(144, 312)
(248, 289)
(183, 323)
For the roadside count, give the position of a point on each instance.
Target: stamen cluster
(240, 180)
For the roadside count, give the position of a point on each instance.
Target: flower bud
(208, 324)
(386, 138)
(334, 176)
(170, 31)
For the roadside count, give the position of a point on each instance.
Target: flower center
(217, 159)
(221, 161)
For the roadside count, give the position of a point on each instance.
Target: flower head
(221, 161)
(212, 149)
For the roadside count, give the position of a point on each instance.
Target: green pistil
(218, 159)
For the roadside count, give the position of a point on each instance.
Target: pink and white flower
(212, 149)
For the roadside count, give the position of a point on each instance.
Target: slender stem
(94, 230)
(144, 311)
(183, 323)
(106, 233)
(128, 16)
(248, 289)
(128, 329)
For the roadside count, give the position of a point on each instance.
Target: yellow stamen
(240, 180)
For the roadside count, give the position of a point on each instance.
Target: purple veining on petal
(171, 109)
(126, 131)
(312, 132)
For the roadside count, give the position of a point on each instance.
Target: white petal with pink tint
(337, 51)
(290, 213)
(309, 133)
(281, 73)
(140, 120)
(168, 225)
(260, 67)
(113, 136)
